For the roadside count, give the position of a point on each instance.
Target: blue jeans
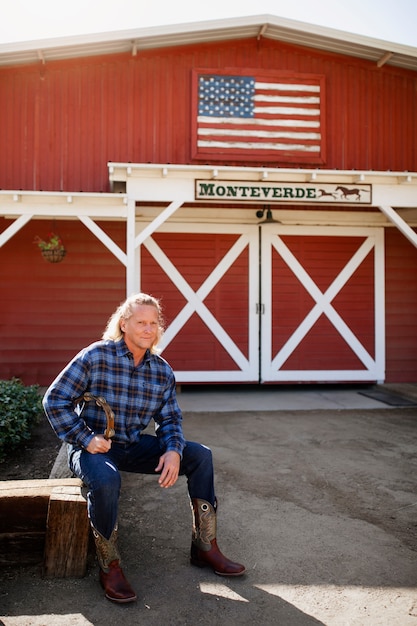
(100, 473)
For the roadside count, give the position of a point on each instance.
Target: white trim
(271, 364)
(322, 376)
(248, 366)
(158, 171)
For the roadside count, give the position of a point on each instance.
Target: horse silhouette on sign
(345, 192)
(323, 193)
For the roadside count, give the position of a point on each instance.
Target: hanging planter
(54, 256)
(52, 249)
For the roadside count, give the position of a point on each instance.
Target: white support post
(133, 258)
(379, 305)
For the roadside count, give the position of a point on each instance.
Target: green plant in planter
(52, 248)
(53, 242)
(20, 410)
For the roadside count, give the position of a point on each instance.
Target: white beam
(104, 238)
(14, 228)
(159, 219)
(401, 224)
(384, 59)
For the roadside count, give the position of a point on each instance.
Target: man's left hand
(169, 466)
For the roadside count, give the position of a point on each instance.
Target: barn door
(322, 304)
(207, 277)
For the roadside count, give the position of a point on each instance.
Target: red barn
(258, 175)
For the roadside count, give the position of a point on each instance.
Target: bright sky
(24, 20)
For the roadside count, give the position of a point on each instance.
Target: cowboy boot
(204, 549)
(112, 578)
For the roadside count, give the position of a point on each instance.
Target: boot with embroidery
(204, 549)
(112, 578)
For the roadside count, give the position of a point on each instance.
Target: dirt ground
(321, 506)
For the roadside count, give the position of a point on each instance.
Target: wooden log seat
(45, 521)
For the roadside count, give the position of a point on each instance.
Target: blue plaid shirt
(136, 394)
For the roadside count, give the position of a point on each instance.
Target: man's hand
(99, 445)
(169, 466)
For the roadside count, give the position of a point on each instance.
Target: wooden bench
(45, 521)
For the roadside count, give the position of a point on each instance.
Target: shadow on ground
(320, 506)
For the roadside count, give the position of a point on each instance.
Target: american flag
(266, 116)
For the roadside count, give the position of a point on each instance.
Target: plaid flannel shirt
(136, 394)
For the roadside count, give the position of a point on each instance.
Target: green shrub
(20, 410)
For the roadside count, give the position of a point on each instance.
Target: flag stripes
(238, 115)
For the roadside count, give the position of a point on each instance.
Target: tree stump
(67, 534)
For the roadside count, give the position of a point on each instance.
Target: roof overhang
(395, 188)
(394, 194)
(62, 205)
(267, 26)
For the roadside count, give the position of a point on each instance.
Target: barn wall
(401, 307)
(63, 121)
(50, 311)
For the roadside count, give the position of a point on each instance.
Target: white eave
(123, 171)
(270, 27)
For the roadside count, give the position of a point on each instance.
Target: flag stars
(226, 96)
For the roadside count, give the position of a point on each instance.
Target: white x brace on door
(314, 327)
(321, 313)
(203, 326)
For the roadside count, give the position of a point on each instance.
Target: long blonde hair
(125, 311)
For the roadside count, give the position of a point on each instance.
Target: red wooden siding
(401, 308)
(50, 311)
(63, 121)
